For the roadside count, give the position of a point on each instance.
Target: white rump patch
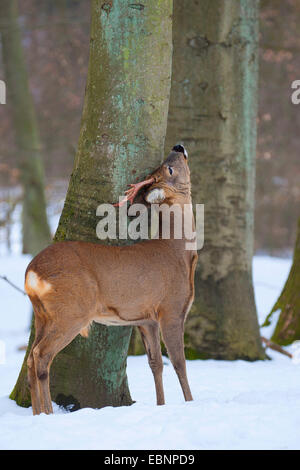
(34, 284)
(32, 280)
(155, 196)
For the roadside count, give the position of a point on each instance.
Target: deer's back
(130, 282)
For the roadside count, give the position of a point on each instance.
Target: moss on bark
(212, 111)
(121, 139)
(287, 329)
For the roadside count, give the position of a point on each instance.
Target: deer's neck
(177, 224)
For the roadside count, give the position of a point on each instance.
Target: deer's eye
(170, 170)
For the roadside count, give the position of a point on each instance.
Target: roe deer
(149, 284)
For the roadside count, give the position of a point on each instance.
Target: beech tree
(121, 140)
(287, 329)
(213, 107)
(36, 232)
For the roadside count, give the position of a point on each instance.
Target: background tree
(121, 139)
(55, 39)
(213, 108)
(36, 232)
(278, 177)
(288, 326)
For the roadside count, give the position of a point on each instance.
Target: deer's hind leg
(39, 326)
(151, 339)
(56, 337)
(172, 329)
(31, 374)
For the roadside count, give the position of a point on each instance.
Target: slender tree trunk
(288, 326)
(122, 139)
(36, 232)
(213, 112)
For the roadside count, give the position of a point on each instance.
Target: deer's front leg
(151, 340)
(172, 329)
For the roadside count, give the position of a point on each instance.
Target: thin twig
(12, 284)
(275, 347)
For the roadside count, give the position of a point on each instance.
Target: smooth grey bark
(213, 108)
(121, 140)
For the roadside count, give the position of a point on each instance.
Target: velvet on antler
(131, 193)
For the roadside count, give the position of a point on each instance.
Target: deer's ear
(155, 196)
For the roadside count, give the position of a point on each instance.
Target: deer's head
(170, 183)
(171, 180)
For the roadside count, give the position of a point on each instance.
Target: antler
(132, 192)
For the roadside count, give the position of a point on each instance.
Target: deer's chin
(155, 196)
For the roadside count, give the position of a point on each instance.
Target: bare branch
(275, 347)
(12, 284)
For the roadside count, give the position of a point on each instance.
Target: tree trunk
(212, 112)
(121, 140)
(36, 232)
(288, 326)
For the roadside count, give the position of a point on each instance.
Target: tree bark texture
(121, 140)
(213, 108)
(287, 329)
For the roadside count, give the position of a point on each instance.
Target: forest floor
(237, 405)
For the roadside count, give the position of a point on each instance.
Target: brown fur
(149, 284)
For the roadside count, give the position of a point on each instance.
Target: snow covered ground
(237, 405)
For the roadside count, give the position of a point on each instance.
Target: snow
(237, 405)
